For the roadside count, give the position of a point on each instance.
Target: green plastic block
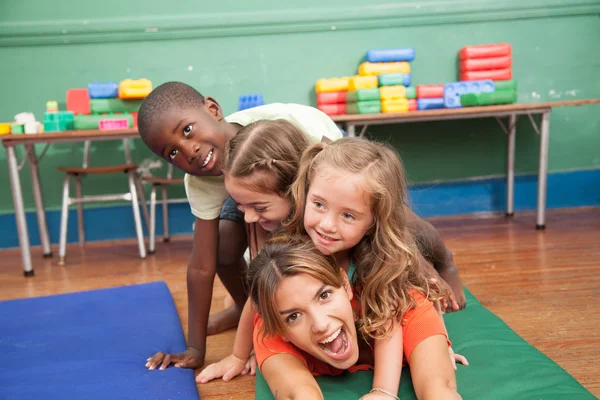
(362, 95)
(488, 99)
(364, 107)
(17, 128)
(411, 92)
(58, 121)
(91, 121)
(393, 79)
(99, 106)
(506, 85)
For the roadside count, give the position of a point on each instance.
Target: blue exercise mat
(92, 345)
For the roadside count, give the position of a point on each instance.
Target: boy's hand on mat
(190, 358)
(228, 368)
(448, 303)
(457, 358)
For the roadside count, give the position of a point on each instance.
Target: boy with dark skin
(189, 131)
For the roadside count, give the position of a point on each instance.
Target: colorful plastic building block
(78, 101)
(101, 106)
(392, 92)
(488, 99)
(134, 89)
(93, 121)
(506, 85)
(374, 69)
(333, 109)
(495, 75)
(411, 92)
(332, 85)
(250, 101)
(362, 95)
(331, 97)
(364, 107)
(430, 91)
(485, 51)
(111, 124)
(390, 55)
(453, 91)
(394, 79)
(51, 106)
(484, 64)
(362, 82)
(412, 105)
(58, 121)
(17, 128)
(430, 104)
(103, 90)
(4, 128)
(394, 105)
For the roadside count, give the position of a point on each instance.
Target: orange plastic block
(333, 109)
(430, 91)
(374, 69)
(392, 92)
(332, 85)
(138, 89)
(413, 105)
(394, 106)
(78, 101)
(362, 82)
(485, 51)
(331, 97)
(495, 75)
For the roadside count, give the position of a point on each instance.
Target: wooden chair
(162, 184)
(135, 190)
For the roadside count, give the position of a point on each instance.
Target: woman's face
(318, 319)
(267, 209)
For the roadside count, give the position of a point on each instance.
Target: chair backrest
(88, 144)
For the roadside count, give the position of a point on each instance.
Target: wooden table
(28, 140)
(510, 111)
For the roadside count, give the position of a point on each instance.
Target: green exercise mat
(502, 365)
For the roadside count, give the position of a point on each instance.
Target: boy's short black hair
(163, 99)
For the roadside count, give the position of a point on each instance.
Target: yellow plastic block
(362, 82)
(394, 106)
(374, 69)
(392, 92)
(332, 85)
(4, 129)
(138, 89)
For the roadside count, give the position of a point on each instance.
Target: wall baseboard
(565, 189)
(128, 28)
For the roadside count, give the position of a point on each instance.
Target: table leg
(543, 171)
(39, 201)
(17, 195)
(510, 173)
(350, 129)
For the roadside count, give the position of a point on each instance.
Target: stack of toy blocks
(108, 105)
(331, 95)
(55, 120)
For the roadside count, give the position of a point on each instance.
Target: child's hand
(450, 302)
(376, 396)
(457, 357)
(228, 368)
(190, 358)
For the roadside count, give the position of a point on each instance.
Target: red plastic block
(333, 109)
(495, 75)
(78, 101)
(412, 105)
(331, 97)
(485, 51)
(484, 64)
(134, 114)
(430, 91)
(108, 124)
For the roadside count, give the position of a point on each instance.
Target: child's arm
(289, 379)
(432, 373)
(433, 248)
(236, 363)
(200, 277)
(388, 365)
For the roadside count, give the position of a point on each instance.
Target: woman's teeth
(207, 160)
(332, 337)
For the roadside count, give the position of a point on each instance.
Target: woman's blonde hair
(284, 256)
(387, 266)
(266, 155)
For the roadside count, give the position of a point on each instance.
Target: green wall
(280, 49)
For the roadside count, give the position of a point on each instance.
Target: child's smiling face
(193, 140)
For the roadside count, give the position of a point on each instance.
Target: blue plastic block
(250, 100)
(453, 91)
(103, 90)
(390, 55)
(430, 104)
